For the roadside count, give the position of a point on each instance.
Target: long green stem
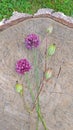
(37, 83)
(38, 87)
(33, 98)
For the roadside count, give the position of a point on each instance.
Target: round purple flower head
(22, 66)
(32, 40)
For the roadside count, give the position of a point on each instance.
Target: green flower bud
(19, 88)
(48, 74)
(51, 49)
(50, 29)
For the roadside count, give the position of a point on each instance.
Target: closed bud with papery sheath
(51, 49)
(19, 88)
(48, 74)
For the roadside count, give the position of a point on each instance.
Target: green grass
(31, 6)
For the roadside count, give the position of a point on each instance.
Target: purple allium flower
(32, 40)
(22, 66)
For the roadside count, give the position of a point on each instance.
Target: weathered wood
(56, 103)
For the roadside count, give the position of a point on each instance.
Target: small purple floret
(22, 66)
(32, 40)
